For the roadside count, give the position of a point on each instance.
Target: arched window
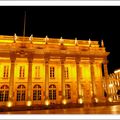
(52, 92)
(21, 93)
(37, 92)
(67, 92)
(4, 93)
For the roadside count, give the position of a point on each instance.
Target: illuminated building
(48, 71)
(113, 85)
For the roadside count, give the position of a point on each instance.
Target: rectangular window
(18, 95)
(50, 94)
(22, 72)
(52, 72)
(67, 94)
(66, 75)
(5, 71)
(37, 71)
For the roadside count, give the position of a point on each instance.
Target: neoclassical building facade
(44, 71)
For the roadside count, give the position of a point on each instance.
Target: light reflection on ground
(86, 110)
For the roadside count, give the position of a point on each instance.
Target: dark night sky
(83, 22)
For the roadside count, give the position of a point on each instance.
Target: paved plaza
(115, 109)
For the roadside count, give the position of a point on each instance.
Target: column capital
(105, 61)
(30, 60)
(47, 59)
(92, 60)
(62, 59)
(30, 57)
(12, 57)
(77, 60)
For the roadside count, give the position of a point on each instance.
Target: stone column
(46, 79)
(30, 60)
(78, 77)
(106, 76)
(92, 78)
(62, 79)
(11, 81)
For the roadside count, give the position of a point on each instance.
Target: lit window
(67, 92)
(37, 92)
(52, 92)
(21, 93)
(5, 72)
(22, 72)
(4, 93)
(37, 71)
(66, 73)
(52, 72)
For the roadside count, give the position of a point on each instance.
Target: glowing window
(21, 93)
(22, 72)
(66, 75)
(37, 92)
(37, 71)
(52, 92)
(52, 72)
(67, 91)
(4, 93)
(5, 71)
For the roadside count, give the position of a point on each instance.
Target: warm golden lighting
(31, 37)
(39, 63)
(46, 39)
(64, 101)
(116, 71)
(80, 100)
(9, 104)
(110, 99)
(29, 103)
(89, 42)
(76, 42)
(47, 102)
(96, 100)
(110, 85)
(61, 40)
(102, 43)
(15, 37)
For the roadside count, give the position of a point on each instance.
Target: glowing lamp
(47, 102)
(9, 104)
(96, 100)
(29, 103)
(64, 101)
(80, 100)
(110, 99)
